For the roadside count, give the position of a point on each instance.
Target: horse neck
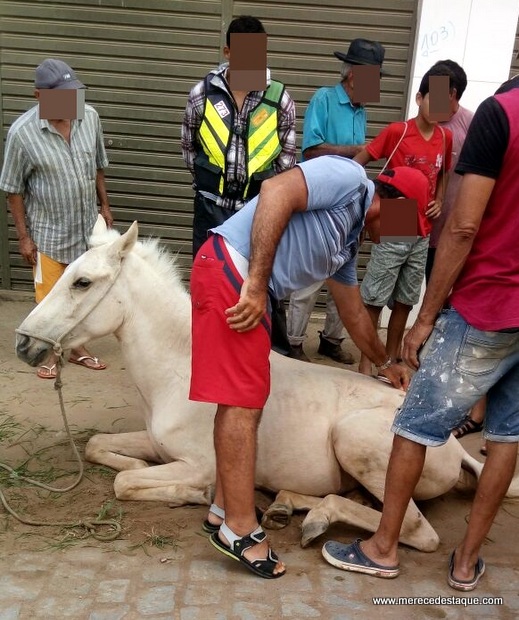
(155, 334)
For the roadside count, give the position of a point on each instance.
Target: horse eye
(82, 283)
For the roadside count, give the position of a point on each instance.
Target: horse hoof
(276, 517)
(311, 531)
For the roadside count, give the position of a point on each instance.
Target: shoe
(211, 528)
(296, 352)
(352, 558)
(470, 584)
(334, 351)
(467, 427)
(263, 567)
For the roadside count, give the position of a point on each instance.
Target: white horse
(324, 430)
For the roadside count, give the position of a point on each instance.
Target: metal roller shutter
(139, 59)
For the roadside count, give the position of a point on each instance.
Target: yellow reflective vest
(216, 132)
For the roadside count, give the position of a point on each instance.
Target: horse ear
(99, 227)
(127, 241)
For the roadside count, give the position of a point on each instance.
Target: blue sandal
(469, 584)
(262, 567)
(352, 558)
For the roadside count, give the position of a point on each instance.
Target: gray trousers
(300, 308)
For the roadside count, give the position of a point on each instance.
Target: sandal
(469, 584)
(261, 567)
(47, 372)
(467, 427)
(210, 528)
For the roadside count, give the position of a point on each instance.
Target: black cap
(364, 52)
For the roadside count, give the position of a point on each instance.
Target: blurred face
(423, 108)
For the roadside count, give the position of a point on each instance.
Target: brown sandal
(467, 427)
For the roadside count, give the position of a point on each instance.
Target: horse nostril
(22, 343)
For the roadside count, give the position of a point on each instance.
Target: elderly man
(53, 170)
(335, 124)
(471, 348)
(304, 228)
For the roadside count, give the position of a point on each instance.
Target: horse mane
(150, 250)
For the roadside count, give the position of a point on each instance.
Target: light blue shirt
(318, 243)
(331, 117)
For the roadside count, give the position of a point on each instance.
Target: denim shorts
(395, 271)
(458, 365)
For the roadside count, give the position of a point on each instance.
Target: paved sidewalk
(192, 581)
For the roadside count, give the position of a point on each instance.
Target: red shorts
(227, 367)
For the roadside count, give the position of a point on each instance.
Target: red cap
(412, 183)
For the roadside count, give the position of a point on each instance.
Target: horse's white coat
(324, 430)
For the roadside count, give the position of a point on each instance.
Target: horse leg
(279, 513)
(122, 451)
(333, 509)
(178, 483)
(363, 447)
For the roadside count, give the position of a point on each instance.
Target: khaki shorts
(46, 273)
(395, 271)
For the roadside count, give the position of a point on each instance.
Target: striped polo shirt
(57, 180)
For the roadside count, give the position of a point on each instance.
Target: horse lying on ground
(324, 431)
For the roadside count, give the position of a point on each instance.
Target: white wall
(479, 35)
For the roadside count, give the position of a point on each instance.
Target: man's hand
(398, 375)
(249, 310)
(414, 341)
(107, 215)
(434, 209)
(28, 250)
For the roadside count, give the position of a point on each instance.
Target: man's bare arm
(27, 246)
(453, 248)
(356, 319)
(346, 150)
(363, 157)
(280, 197)
(103, 198)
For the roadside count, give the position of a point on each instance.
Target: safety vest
(262, 143)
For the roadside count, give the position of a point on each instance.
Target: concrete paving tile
(112, 591)
(158, 600)
(17, 587)
(12, 612)
(117, 613)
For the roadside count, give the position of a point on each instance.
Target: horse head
(78, 308)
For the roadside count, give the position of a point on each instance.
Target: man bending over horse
(304, 227)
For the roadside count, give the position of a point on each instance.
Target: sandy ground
(31, 430)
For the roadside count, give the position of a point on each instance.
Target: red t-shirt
(486, 293)
(415, 151)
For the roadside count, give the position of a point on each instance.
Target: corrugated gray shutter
(140, 58)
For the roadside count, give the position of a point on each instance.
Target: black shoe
(297, 353)
(334, 351)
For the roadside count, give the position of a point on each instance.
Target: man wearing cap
(304, 227)
(53, 176)
(333, 125)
